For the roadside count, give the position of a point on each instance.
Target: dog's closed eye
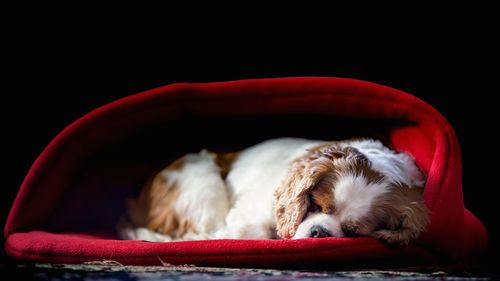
(321, 197)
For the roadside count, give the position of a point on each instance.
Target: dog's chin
(328, 226)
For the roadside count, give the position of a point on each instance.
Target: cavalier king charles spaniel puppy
(283, 188)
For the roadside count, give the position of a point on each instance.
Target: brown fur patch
(351, 161)
(177, 164)
(224, 161)
(154, 208)
(406, 215)
(322, 196)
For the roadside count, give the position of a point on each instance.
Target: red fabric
(78, 248)
(71, 177)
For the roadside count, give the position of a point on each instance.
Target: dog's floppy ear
(291, 197)
(407, 216)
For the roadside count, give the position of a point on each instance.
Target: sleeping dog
(283, 188)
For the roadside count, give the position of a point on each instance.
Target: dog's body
(283, 188)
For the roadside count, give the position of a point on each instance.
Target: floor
(110, 270)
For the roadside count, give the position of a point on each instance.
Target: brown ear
(408, 217)
(291, 197)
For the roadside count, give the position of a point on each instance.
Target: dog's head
(340, 191)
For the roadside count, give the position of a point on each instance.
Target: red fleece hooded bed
(68, 205)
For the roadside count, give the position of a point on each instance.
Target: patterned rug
(111, 270)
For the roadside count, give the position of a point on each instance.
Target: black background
(56, 69)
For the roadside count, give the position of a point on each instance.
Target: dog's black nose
(318, 231)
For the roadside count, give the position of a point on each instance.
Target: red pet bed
(68, 205)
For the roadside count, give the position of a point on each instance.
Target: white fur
(203, 197)
(352, 186)
(127, 231)
(329, 222)
(251, 182)
(400, 168)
